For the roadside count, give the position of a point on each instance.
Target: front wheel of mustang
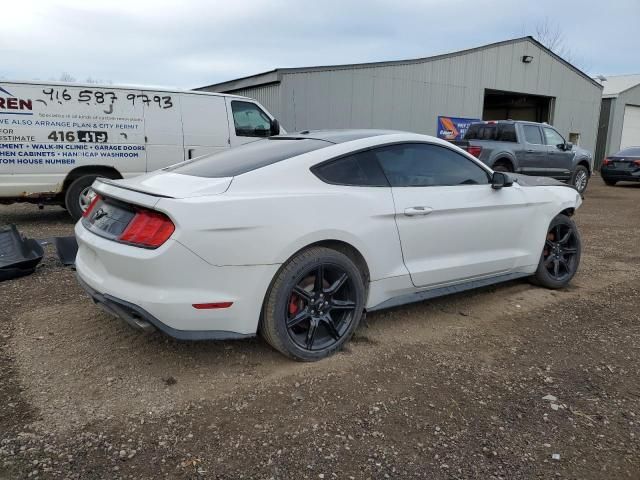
(561, 254)
(314, 304)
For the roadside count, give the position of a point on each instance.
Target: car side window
(250, 120)
(427, 165)
(532, 134)
(552, 137)
(360, 169)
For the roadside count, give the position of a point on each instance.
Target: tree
(551, 36)
(67, 77)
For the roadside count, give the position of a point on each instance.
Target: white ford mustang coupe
(296, 236)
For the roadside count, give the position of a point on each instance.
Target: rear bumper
(620, 175)
(156, 289)
(139, 319)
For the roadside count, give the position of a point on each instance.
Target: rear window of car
(629, 152)
(246, 158)
(359, 169)
(501, 132)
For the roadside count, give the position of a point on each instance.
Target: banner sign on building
(454, 128)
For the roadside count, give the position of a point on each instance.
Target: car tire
(611, 183)
(77, 197)
(580, 179)
(307, 319)
(560, 256)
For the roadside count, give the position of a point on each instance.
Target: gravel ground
(506, 382)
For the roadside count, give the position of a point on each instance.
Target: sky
(192, 43)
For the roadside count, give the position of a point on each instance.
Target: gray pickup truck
(529, 148)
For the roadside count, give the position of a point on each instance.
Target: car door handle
(416, 211)
(531, 150)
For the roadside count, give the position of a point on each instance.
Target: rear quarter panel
(269, 214)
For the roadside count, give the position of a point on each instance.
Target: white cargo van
(56, 138)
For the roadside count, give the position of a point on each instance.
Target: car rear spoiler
(113, 189)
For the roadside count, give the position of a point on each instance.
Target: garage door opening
(500, 105)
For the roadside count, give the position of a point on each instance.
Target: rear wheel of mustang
(561, 254)
(314, 304)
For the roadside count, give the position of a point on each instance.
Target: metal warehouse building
(517, 79)
(619, 125)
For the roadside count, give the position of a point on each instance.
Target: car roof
(335, 136)
(512, 122)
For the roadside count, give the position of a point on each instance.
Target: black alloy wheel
(314, 304)
(560, 252)
(560, 255)
(321, 307)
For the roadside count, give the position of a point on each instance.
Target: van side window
(250, 120)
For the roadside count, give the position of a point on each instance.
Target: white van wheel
(86, 197)
(79, 195)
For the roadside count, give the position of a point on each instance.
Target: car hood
(173, 185)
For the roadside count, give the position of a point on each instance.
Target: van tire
(72, 196)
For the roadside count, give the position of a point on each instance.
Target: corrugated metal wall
(630, 97)
(267, 95)
(411, 96)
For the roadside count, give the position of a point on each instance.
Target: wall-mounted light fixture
(527, 59)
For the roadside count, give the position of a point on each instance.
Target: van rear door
(162, 129)
(204, 124)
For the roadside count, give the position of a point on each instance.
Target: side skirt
(448, 290)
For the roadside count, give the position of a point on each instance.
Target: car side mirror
(275, 127)
(568, 146)
(500, 180)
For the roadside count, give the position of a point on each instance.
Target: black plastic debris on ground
(67, 248)
(19, 255)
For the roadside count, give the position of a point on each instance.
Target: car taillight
(474, 150)
(95, 200)
(636, 163)
(148, 229)
(607, 161)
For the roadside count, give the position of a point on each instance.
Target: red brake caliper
(551, 238)
(293, 304)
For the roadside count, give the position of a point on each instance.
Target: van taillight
(474, 150)
(148, 229)
(95, 200)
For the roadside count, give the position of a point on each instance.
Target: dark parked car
(624, 166)
(529, 148)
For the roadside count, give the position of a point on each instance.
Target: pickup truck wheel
(580, 178)
(501, 166)
(79, 195)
